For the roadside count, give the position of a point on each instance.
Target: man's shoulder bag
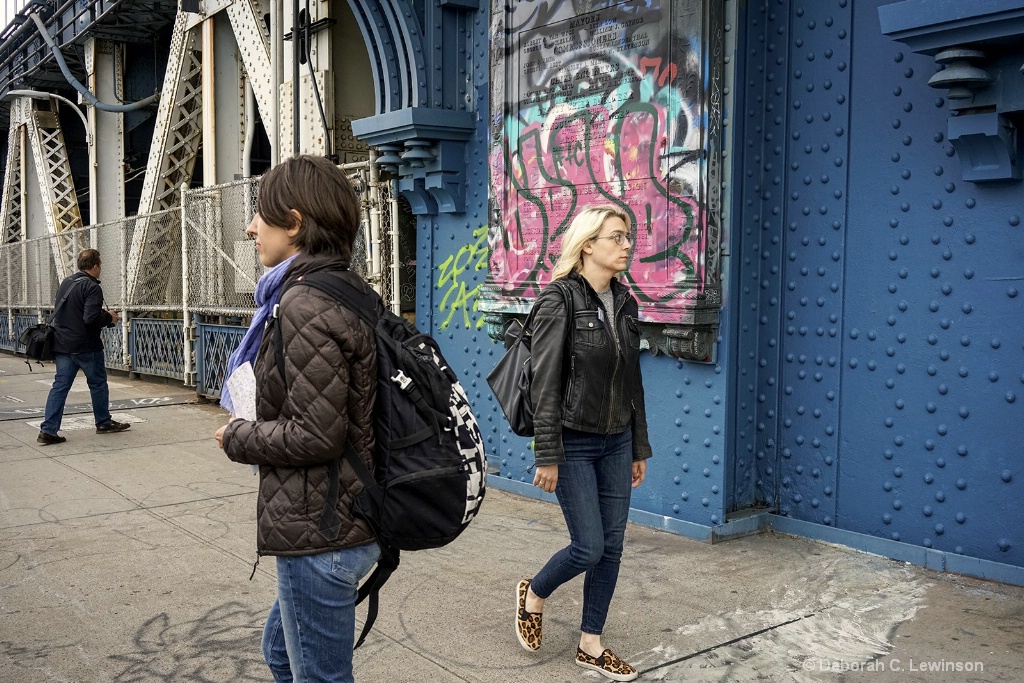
(38, 339)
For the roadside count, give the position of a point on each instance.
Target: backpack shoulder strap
(365, 303)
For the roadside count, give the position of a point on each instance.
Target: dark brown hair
(322, 195)
(88, 259)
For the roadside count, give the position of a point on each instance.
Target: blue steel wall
(756, 235)
(879, 342)
(793, 247)
(934, 334)
(686, 402)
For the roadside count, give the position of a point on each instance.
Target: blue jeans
(594, 486)
(68, 365)
(311, 627)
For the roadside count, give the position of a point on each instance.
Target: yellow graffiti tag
(458, 297)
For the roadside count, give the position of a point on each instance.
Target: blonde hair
(585, 227)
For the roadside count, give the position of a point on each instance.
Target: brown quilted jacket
(330, 366)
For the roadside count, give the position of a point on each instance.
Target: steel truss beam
(13, 197)
(12, 213)
(176, 140)
(254, 46)
(53, 171)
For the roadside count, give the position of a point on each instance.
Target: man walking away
(77, 346)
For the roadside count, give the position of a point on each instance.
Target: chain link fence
(222, 266)
(184, 279)
(220, 262)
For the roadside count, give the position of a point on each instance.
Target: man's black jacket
(78, 323)
(583, 377)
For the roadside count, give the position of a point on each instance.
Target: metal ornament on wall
(420, 63)
(977, 46)
(612, 103)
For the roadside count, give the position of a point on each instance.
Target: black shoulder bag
(512, 375)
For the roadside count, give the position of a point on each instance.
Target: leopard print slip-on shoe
(608, 665)
(527, 623)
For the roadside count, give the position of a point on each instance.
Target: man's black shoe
(47, 439)
(111, 427)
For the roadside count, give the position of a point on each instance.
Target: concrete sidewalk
(127, 557)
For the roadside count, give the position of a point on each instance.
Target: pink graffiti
(579, 156)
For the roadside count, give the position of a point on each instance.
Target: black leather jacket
(594, 386)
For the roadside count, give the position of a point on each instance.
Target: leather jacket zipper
(572, 375)
(613, 398)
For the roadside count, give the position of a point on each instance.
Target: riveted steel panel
(933, 360)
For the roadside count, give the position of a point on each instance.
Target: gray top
(608, 301)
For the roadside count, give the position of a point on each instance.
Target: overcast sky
(10, 8)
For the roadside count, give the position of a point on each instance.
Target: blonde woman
(590, 424)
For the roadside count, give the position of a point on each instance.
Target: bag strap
(570, 312)
(365, 305)
(60, 304)
(567, 295)
(386, 566)
(373, 496)
(569, 309)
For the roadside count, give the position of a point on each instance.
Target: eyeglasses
(619, 237)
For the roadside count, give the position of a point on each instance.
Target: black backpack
(430, 465)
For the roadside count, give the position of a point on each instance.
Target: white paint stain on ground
(845, 612)
(80, 384)
(72, 423)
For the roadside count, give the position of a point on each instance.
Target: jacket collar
(306, 263)
(82, 274)
(618, 289)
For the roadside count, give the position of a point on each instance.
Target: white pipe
(250, 128)
(375, 265)
(188, 371)
(89, 137)
(367, 236)
(90, 134)
(396, 284)
(23, 141)
(126, 359)
(276, 49)
(209, 106)
(74, 82)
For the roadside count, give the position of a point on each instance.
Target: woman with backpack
(590, 425)
(307, 410)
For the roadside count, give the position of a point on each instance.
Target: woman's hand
(546, 477)
(639, 471)
(219, 436)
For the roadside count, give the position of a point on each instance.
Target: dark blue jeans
(68, 365)
(594, 486)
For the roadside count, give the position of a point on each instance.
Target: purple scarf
(268, 291)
